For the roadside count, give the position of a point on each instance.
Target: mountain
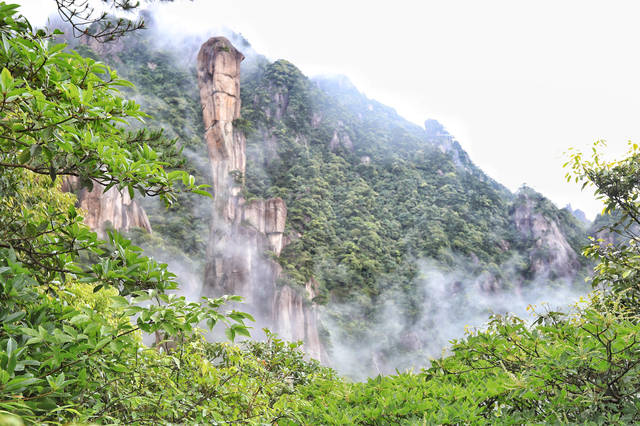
(332, 214)
(579, 214)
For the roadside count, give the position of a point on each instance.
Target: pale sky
(516, 82)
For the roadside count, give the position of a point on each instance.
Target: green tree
(63, 115)
(85, 20)
(616, 185)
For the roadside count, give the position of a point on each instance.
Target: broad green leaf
(6, 80)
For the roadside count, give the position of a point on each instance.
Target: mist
(452, 303)
(484, 88)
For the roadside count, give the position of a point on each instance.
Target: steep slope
(553, 253)
(369, 199)
(387, 188)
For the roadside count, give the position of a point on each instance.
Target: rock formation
(107, 209)
(242, 232)
(268, 217)
(219, 81)
(552, 255)
(578, 214)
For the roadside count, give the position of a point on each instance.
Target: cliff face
(268, 217)
(219, 81)
(111, 208)
(296, 317)
(551, 253)
(241, 232)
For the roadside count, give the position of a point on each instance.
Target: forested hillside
(371, 197)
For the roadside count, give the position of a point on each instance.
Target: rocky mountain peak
(243, 231)
(578, 214)
(434, 128)
(219, 78)
(219, 81)
(551, 254)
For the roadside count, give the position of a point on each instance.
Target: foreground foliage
(63, 116)
(575, 368)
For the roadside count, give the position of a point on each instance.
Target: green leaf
(230, 333)
(11, 363)
(200, 192)
(79, 319)
(6, 80)
(4, 377)
(241, 330)
(13, 317)
(24, 156)
(11, 346)
(20, 383)
(119, 302)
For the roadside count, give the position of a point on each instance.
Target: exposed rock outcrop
(578, 214)
(107, 209)
(296, 317)
(219, 81)
(435, 129)
(552, 255)
(242, 232)
(340, 138)
(268, 217)
(446, 143)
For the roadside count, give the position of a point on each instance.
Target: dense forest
(371, 199)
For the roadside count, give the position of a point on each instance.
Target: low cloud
(450, 302)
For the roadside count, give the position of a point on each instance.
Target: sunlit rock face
(219, 81)
(107, 209)
(243, 231)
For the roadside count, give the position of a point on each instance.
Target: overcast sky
(517, 83)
